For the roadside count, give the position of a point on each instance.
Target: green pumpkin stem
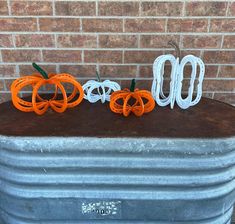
(40, 70)
(98, 76)
(132, 88)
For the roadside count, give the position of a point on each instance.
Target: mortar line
(53, 8)
(137, 71)
(82, 55)
(41, 54)
(17, 67)
(57, 68)
(1, 59)
(139, 78)
(209, 25)
(184, 9)
(118, 33)
(123, 57)
(9, 7)
(55, 40)
(112, 49)
(115, 17)
(81, 25)
(96, 8)
(97, 41)
(38, 26)
(14, 41)
(140, 8)
(93, 63)
(228, 6)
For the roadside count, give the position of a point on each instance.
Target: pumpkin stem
(132, 88)
(176, 46)
(98, 76)
(40, 70)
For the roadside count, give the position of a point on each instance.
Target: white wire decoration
(98, 90)
(176, 78)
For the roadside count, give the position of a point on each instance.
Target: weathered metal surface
(71, 169)
(209, 119)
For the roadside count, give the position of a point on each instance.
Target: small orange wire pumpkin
(40, 105)
(139, 107)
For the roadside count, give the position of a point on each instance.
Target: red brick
(211, 71)
(80, 71)
(207, 95)
(162, 8)
(118, 8)
(222, 25)
(70, 8)
(205, 41)
(4, 97)
(118, 41)
(24, 8)
(8, 83)
(59, 24)
(229, 41)
(7, 71)
(103, 56)
(102, 25)
(227, 71)
(3, 8)
(29, 69)
(62, 56)
(231, 11)
(206, 8)
(183, 53)
(140, 84)
(157, 41)
(222, 57)
(145, 57)
(145, 25)
(146, 71)
(187, 25)
(6, 40)
(219, 85)
(225, 97)
(21, 55)
(87, 41)
(120, 71)
(34, 40)
(83, 81)
(18, 24)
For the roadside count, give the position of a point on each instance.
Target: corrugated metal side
(49, 180)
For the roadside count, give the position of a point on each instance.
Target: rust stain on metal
(209, 119)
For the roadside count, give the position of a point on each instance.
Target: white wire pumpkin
(176, 78)
(98, 90)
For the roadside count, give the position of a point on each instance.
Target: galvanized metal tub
(111, 169)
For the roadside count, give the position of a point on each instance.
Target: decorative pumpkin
(177, 76)
(139, 107)
(40, 105)
(102, 90)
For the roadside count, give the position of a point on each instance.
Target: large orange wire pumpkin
(37, 103)
(139, 106)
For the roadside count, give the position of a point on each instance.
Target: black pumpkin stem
(177, 49)
(98, 76)
(40, 70)
(132, 88)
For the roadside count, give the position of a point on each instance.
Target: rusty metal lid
(208, 119)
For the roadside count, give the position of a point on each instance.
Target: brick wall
(120, 39)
